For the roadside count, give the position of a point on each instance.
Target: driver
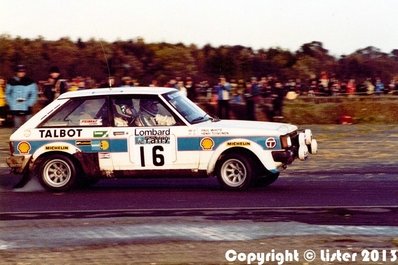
(125, 113)
(149, 116)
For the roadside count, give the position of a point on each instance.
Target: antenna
(107, 64)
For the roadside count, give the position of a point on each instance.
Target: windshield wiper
(199, 118)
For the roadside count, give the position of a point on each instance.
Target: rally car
(87, 135)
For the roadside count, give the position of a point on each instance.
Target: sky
(343, 26)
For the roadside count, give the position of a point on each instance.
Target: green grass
(326, 110)
(363, 111)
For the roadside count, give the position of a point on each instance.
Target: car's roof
(117, 91)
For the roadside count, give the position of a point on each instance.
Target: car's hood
(246, 127)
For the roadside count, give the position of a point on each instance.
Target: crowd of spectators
(224, 92)
(322, 86)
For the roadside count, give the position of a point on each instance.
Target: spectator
(109, 82)
(3, 110)
(250, 102)
(279, 94)
(81, 84)
(370, 88)
(223, 91)
(54, 85)
(172, 83)
(154, 83)
(182, 88)
(191, 90)
(351, 87)
(127, 81)
(393, 87)
(21, 94)
(379, 88)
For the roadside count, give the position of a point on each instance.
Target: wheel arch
(237, 150)
(34, 164)
(263, 159)
(69, 150)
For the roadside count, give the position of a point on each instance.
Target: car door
(152, 136)
(154, 144)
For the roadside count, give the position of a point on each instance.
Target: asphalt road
(331, 199)
(356, 167)
(345, 197)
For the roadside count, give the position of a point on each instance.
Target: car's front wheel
(235, 172)
(57, 172)
(266, 179)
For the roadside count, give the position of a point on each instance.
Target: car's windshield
(189, 110)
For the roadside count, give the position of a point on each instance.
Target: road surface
(345, 198)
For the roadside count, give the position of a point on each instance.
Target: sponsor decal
(24, 147)
(104, 145)
(207, 143)
(98, 134)
(60, 133)
(97, 145)
(270, 143)
(56, 148)
(90, 122)
(238, 143)
(152, 136)
(118, 133)
(83, 142)
(104, 155)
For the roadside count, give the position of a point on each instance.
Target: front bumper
(286, 157)
(302, 144)
(17, 163)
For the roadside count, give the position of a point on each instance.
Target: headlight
(286, 141)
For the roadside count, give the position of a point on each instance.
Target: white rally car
(86, 135)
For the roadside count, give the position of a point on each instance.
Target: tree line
(162, 61)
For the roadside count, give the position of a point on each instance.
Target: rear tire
(86, 182)
(235, 172)
(56, 172)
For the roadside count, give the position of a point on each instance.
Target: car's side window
(153, 113)
(125, 110)
(141, 111)
(80, 113)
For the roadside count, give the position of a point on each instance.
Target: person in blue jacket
(223, 92)
(21, 95)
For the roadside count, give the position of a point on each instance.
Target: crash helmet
(149, 106)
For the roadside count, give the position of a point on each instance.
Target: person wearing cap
(21, 95)
(149, 116)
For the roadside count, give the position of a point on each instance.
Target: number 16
(157, 159)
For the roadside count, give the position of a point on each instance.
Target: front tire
(267, 179)
(57, 173)
(235, 172)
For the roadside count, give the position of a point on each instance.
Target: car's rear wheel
(86, 182)
(235, 172)
(57, 172)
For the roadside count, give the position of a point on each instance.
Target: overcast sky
(343, 26)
